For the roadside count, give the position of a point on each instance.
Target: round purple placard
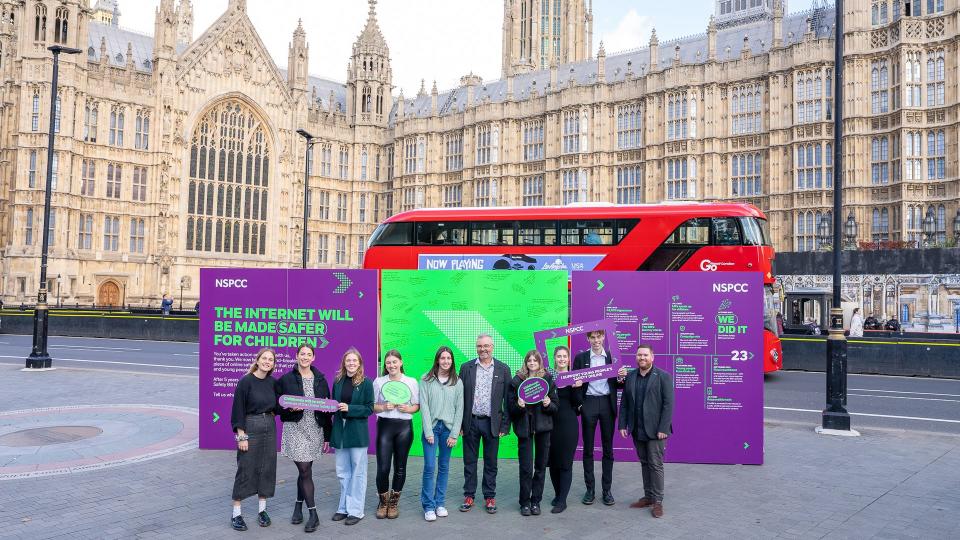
(533, 390)
(314, 404)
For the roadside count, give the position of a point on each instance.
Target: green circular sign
(396, 392)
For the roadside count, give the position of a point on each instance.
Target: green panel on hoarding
(422, 310)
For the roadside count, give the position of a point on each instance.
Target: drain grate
(49, 435)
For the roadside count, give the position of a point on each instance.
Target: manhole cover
(49, 435)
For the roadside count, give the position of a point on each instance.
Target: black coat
(657, 403)
(582, 361)
(535, 416)
(499, 419)
(291, 383)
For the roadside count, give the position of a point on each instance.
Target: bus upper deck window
(753, 234)
(694, 231)
(586, 233)
(442, 234)
(726, 232)
(393, 234)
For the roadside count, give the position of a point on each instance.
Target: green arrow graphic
(599, 285)
(323, 342)
(360, 294)
(215, 417)
(345, 283)
(746, 445)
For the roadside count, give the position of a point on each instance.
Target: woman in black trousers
(565, 434)
(254, 404)
(532, 423)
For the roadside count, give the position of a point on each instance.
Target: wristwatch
(239, 437)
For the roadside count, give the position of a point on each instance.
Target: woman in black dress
(565, 434)
(254, 404)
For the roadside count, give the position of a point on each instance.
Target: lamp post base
(837, 432)
(39, 361)
(835, 420)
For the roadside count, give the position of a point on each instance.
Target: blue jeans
(352, 472)
(434, 492)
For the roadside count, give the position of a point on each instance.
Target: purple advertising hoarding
(706, 329)
(244, 309)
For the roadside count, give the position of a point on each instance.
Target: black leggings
(305, 482)
(394, 439)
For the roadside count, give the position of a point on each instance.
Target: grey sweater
(441, 402)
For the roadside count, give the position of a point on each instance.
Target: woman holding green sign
(441, 409)
(531, 412)
(305, 436)
(350, 436)
(396, 400)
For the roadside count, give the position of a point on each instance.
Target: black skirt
(257, 467)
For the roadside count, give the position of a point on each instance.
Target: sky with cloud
(438, 40)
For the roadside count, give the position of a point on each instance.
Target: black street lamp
(823, 232)
(39, 357)
(850, 231)
(183, 283)
(836, 419)
(306, 191)
(929, 227)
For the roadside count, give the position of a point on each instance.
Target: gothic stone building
(176, 153)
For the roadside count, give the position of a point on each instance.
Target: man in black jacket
(599, 406)
(646, 414)
(485, 381)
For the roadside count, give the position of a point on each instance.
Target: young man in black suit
(599, 406)
(646, 414)
(485, 382)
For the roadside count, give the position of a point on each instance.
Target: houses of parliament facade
(175, 153)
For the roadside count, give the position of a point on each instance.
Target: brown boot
(393, 507)
(642, 503)
(657, 510)
(382, 505)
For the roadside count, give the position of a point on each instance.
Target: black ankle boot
(297, 513)
(313, 521)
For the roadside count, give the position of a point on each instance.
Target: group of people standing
(479, 402)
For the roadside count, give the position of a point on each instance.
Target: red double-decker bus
(700, 237)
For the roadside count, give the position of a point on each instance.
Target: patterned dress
(303, 440)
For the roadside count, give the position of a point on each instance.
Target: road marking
(112, 339)
(113, 362)
(906, 397)
(902, 392)
(869, 414)
(875, 375)
(93, 347)
(188, 354)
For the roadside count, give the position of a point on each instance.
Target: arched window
(40, 24)
(60, 26)
(379, 100)
(231, 146)
(365, 99)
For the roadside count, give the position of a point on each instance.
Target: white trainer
(442, 512)
(430, 515)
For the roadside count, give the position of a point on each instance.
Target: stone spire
(184, 23)
(165, 30)
(654, 50)
(777, 23)
(601, 64)
(712, 39)
(371, 38)
(369, 76)
(298, 59)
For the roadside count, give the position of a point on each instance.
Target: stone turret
(369, 75)
(298, 59)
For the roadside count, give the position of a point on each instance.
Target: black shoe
(554, 501)
(525, 511)
(608, 498)
(560, 507)
(338, 517)
(535, 509)
(312, 522)
(297, 513)
(589, 497)
(351, 520)
(263, 519)
(238, 524)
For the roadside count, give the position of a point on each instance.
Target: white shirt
(414, 396)
(600, 387)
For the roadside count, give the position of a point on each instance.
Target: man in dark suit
(599, 406)
(485, 381)
(646, 413)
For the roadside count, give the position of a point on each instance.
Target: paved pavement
(889, 483)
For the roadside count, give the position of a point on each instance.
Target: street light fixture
(306, 190)
(39, 357)
(183, 283)
(850, 231)
(823, 232)
(929, 227)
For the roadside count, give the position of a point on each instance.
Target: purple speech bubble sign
(533, 390)
(314, 404)
(568, 378)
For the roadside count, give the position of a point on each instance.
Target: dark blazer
(534, 416)
(657, 403)
(582, 361)
(499, 419)
(354, 432)
(292, 384)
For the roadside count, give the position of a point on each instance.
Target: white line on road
(868, 414)
(907, 397)
(93, 348)
(112, 362)
(189, 354)
(902, 392)
(873, 375)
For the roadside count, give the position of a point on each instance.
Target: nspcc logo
(231, 284)
(730, 287)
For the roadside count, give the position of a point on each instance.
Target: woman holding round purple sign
(396, 400)
(565, 434)
(441, 410)
(305, 436)
(531, 411)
